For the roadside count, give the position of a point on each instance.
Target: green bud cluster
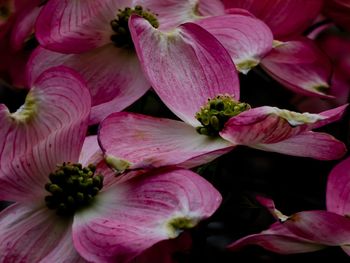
(217, 112)
(72, 187)
(122, 36)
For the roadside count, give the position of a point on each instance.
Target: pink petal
(197, 66)
(330, 116)
(24, 26)
(285, 17)
(338, 189)
(171, 14)
(316, 145)
(46, 132)
(321, 227)
(132, 141)
(245, 37)
(91, 151)
(113, 76)
(32, 234)
(271, 125)
(76, 26)
(304, 74)
(24, 177)
(210, 7)
(141, 212)
(279, 240)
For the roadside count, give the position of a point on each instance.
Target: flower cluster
(87, 178)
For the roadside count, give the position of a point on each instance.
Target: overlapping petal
(49, 129)
(285, 17)
(279, 240)
(132, 141)
(198, 66)
(113, 76)
(30, 234)
(141, 212)
(270, 124)
(338, 189)
(58, 101)
(300, 66)
(76, 26)
(321, 146)
(246, 38)
(320, 226)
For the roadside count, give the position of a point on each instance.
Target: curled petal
(246, 38)
(131, 141)
(321, 227)
(279, 240)
(300, 66)
(140, 212)
(338, 189)
(186, 66)
(58, 101)
(316, 145)
(271, 125)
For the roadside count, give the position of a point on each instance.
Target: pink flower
(308, 231)
(107, 59)
(69, 206)
(132, 141)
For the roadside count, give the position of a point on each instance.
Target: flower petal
(170, 13)
(140, 141)
(113, 76)
(24, 25)
(29, 234)
(48, 130)
(141, 212)
(316, 145)
(76, 26)
(307, 75)
(245, 37)
(321, 227)
(271, 125)
(338, 189)
(285, 17)
(211, 7)
(91, 151)
(185, 66)
(279, 240)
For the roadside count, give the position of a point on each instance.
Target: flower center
(122, 36)
(72, 187)
(217, 112)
